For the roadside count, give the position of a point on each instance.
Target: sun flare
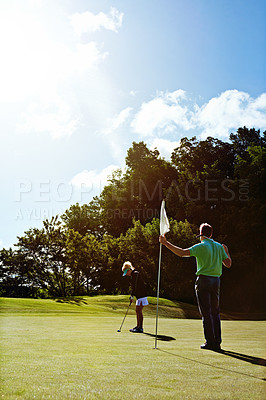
(26, 61)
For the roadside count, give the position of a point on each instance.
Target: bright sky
(81, 80)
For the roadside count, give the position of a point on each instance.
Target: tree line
(82, 251)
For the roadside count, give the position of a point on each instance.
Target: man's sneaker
(207, 346)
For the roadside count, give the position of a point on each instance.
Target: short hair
(127, 265)
(206, 229)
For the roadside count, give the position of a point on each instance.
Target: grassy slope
(53, 350)
(96, 305)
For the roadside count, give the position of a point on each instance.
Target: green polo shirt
(210, 256)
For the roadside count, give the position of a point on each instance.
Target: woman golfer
(138, 290)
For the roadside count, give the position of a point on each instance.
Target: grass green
(72, 350)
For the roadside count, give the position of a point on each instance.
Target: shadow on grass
(71, 300)
(161, 337)
(216, 366)
(245, 357)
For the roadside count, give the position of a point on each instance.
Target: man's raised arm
(177, 250)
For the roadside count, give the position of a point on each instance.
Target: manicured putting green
(72, 350)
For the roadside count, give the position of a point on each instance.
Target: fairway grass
(72, 350)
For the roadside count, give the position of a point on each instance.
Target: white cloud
(162, 115)
(94, 180)
(89, 22)
(171, 115)
(231, 110)
(174, 97)
(165, 147)
(174, 113)
(118, 120)
(133, 93)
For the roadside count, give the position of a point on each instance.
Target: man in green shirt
(210, 256)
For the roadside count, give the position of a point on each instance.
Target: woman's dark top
(138, 288)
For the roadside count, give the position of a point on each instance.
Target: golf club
(119, 330)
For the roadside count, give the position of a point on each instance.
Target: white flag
(164, 223)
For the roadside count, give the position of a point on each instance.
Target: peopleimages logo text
(209, 190)
(46, 196)
(225, 190)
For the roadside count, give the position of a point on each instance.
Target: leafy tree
(44, 249)
(193, 157)
(245, 138)
(110, 276)
(84, 218)
(138, 192)
(251, 167)
(17, 278)
(205, 170)
(247, 220)
(83, 257)
(113, 203)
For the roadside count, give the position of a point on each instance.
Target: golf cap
(127, 266)
(125, 271)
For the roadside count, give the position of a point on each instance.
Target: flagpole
(164, 228)
(158, 291)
